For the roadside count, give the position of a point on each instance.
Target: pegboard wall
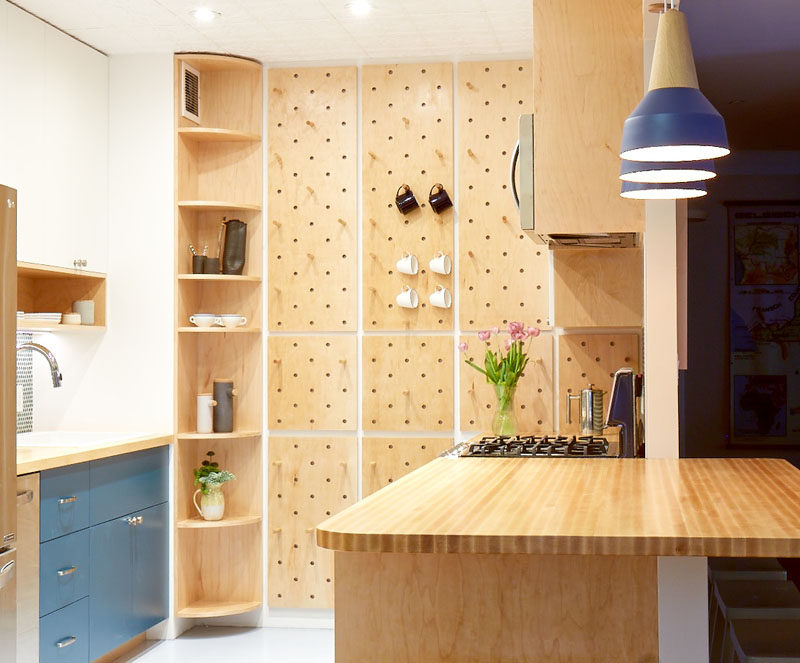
(407, 383)
(313, 199)
(591, 358)
(534, 397)
(407, 138)
(312, 382)
(504, 274)
(310, 479)
(386, 459)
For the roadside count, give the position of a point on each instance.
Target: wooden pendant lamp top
(673, 62)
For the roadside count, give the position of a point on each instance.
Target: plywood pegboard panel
(504, 274)
(313, 199)
(407, 138)
(407, 383)
(310, 479)
(386, 459)
(534, 396)
(312, 382)
(598, 288)
(591, 358)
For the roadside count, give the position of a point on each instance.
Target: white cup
(408, 264)
(441, 297)
(441, 263)
(71, 319)
(205, 413)
(85, 308)
(233, 320)
(205, 319)
(408, 298)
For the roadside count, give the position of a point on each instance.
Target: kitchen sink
(55, 438)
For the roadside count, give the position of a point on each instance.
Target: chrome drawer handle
(66, 642)
(135, 521)
(66, 572)
(68, 500)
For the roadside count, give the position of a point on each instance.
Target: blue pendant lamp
(674, 121)
(666, 171)
(662, 191)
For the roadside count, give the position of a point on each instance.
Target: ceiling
(294, 31)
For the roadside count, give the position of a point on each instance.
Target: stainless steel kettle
(591, 410)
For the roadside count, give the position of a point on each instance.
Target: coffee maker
(625, 411)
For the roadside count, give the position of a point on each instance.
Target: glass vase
(505, 418)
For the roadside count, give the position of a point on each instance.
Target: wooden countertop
(40, 458)
(732, 507)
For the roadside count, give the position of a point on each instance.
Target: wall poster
(765, 323)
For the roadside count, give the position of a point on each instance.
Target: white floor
(242, 645)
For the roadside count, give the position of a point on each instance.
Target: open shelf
(217, 608)
(218, 205)
(33, 326)
(229, 278)
(236, 435)
(219, 330)
(214, 135)
(232, 521)
(227, 63)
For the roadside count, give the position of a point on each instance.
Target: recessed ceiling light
(359, 7)
(204, 14)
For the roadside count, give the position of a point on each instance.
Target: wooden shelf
(233, 521)
(219, 436)
(217, 205)
(230, 278)
(217, 608)
(219, 330)
(31, 270)
(209, 135)
(34, 326)
(210, 62)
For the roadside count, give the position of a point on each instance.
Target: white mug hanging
(408, 264)
(441, 263)
(408, 298)
(441, 297)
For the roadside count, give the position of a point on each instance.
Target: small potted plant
(210, 479)
(504, 370)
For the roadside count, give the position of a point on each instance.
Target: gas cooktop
(537, 446)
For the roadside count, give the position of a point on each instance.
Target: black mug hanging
(405, 200)
(439, 199)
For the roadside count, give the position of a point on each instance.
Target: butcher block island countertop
(48, 456)
(689, 507)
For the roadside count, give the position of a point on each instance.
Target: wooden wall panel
(312, 382)
(534, 397)
(313, 200)
(504, 274)
(407, 138)
(408, 383)
(310, 479)
(598, 288)
(386, 459)
(591, 358)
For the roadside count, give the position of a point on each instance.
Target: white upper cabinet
(55, 131)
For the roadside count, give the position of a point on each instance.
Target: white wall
(121, 379)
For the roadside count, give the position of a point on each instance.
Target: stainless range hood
(523, 193)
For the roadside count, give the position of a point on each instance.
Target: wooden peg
(310, 124)
(277, 90)
(309, 530)
(277, 224)
(373, 290)
(373, 464)
(373, 256)
(406, 392)
(278, 290)
(406, 121)
(342, 221)
(276, 530)
(277, 462)
(279, 160)
(470, 152)
(372, 155)
(343, 463)
(439, 154)
(373, 222)
(276, 361)
(234, 392)
(310, 256)
(470, 86)
(505, 219)
(310, 190)
(470, 254)
(343, 361)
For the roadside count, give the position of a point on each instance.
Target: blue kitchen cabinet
(64, 634)
(128, 578)
(63, 571)
(64, 501)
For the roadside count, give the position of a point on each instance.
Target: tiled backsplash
(25, 380)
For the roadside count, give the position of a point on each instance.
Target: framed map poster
(765, 323)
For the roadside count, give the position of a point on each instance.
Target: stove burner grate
(538, 446)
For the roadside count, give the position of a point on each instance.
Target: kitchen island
(542, 559)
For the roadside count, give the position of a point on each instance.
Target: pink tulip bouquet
(503, 370)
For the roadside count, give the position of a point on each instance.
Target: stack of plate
(53, 318)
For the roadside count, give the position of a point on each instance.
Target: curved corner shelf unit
(218, 175)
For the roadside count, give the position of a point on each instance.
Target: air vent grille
(190, 93)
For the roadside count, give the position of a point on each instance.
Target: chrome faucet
(51, 359)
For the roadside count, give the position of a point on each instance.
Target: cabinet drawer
(64, 505)
(64, 634)
(128, 483)
(63, 571)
